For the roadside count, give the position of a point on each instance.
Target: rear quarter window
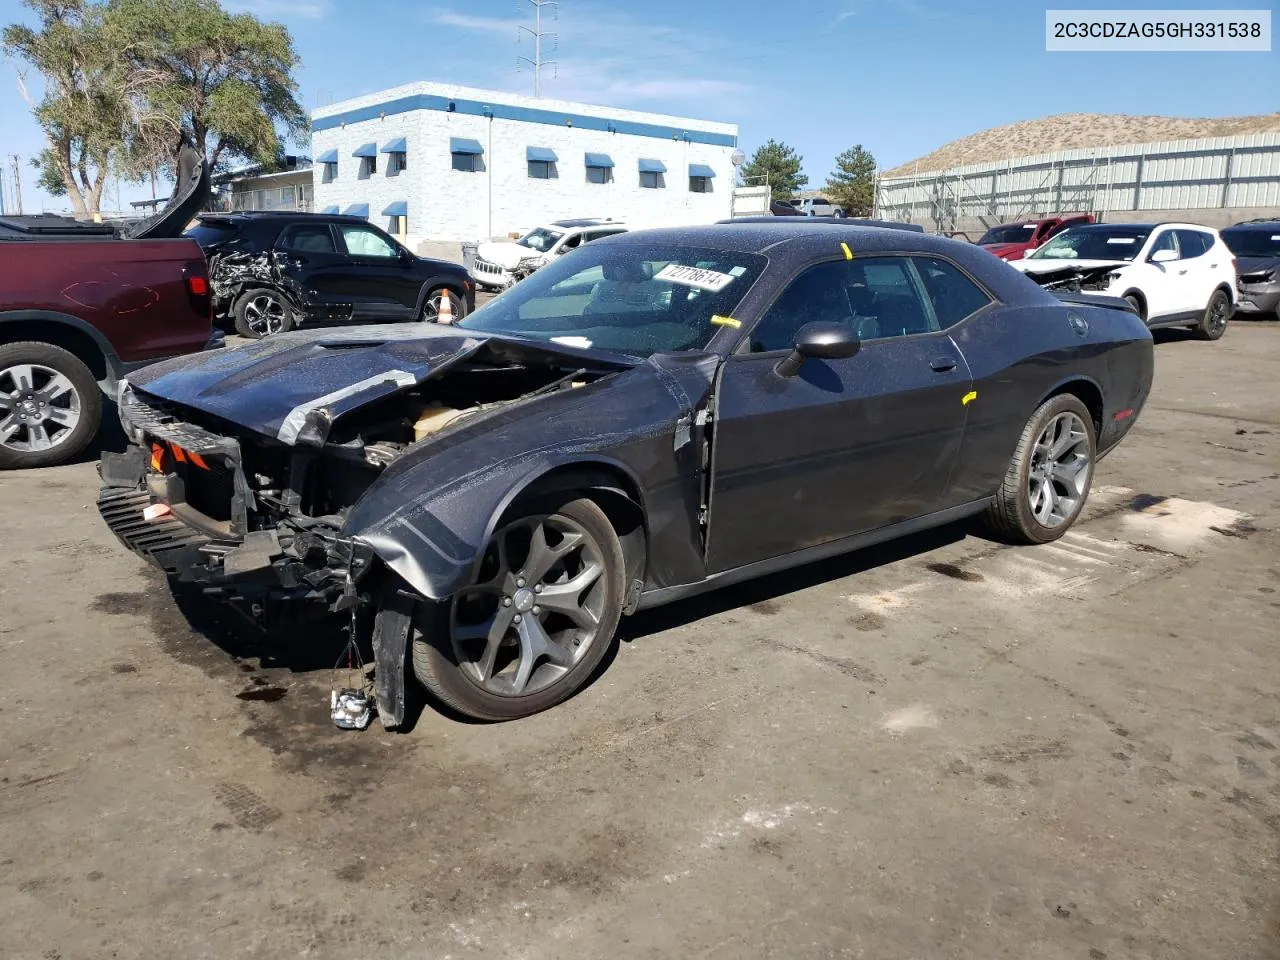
(210, 234)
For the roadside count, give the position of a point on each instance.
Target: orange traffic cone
(445, 312)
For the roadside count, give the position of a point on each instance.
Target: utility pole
(17, 181)
(537, 63)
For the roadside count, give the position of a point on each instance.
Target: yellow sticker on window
(969, 397)
(725, 321)
(848, 254)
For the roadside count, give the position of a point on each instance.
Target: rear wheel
(536, 621)
(1048, 479)
(1214, 322)
(261, 312)
(50, 405)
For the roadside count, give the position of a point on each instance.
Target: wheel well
(62, 335)
(614, 493)
(1142, 301)
(1088, 394)
(1225, 288)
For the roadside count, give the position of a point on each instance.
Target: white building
(433, 161)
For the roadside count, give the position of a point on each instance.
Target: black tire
(1213, 324)
(1136, 304)
(83, 397)
(260, 312)
(435, 656)
(431, 305)
(1011, 516)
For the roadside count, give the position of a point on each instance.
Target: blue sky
(899, 76)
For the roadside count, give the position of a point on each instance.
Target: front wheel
(1048, 479)
(536, 620)
(431, 309)
(1214, 322)
(50, 405)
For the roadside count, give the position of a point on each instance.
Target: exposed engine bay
(1076, 279)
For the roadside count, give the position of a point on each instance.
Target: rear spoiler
(1094, 300)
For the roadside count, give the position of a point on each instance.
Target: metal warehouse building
(1215, 181)
(432, 161)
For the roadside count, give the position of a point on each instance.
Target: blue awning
(700, 170)
(463, 145)
(652, 166)
(400, 208)
(357, 210)
(329, 156)
(599, 160)
(395, 146)
(333, 209)
(365, 150)
(540, 154)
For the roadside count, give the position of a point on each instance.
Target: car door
(307, 253)
(1163, 283)
(378, 276)
(845, 446)
(1204, 266)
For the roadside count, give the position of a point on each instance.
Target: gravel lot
(944, 748)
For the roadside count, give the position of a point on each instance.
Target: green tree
(852, 185)
(84, 108)
(224, 79)
(49, 179)
(778, 165)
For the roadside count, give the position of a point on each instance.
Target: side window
(953, 295)
(573, 241)
(363, 242)
(1164, 242)
(876, 297)
(308, 238)
(1193, 243)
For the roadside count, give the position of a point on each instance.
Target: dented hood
(273, 386)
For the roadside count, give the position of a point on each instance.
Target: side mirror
(821, 341)
(1163, 256)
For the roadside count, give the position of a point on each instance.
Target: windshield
(1094, 243)
(632, 298)
(1254, 243)
(1010, 233)
(541, 239)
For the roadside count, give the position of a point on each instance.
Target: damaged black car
(653, 415)
(273, 271)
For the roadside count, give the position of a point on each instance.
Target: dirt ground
(944, 748)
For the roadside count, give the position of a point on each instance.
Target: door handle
(943, 364)
(1182, 273)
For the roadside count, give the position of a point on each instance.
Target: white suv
(497, 259)
(1172, 273)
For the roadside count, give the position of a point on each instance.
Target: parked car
(497, 260)
(816, 207)
(274, 271)
(1170, 273)
(654, 415)
(779, 208)
(1256, 245)
(81, 305)
(1013, 241)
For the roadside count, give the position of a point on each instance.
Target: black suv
(1256, 247)
(273, 271)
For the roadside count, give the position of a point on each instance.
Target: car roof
(761, 234)
(586, 222)
(1259, 224)
(281, 215)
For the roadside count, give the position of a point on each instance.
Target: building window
(398, 163)
(329, 173)
(699, 184)
(398, 226)
(541, 169)
(368, 167)
(466, 162)
(599, 174)
(651, 180)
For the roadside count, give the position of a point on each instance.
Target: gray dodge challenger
(653, 415)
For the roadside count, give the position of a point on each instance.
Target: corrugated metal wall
(1218, 172)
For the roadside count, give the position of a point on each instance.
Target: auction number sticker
(694, 277)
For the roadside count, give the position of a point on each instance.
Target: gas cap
(1078, 324)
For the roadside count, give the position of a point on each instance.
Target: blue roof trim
(599, 160)
(700, 170)
(329, 156)
(502, 111)
(395, 146)
(652, 166)
(365, 150)
(332, 209)
(463, 145)
(357, 210)
(541, 154)
(399, 208)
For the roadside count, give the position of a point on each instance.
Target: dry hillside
(1074, 131)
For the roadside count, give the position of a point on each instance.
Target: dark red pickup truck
(81, 306)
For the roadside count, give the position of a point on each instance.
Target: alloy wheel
(265, 315)
(1060, 468)
(535, 608)
(432, 309)
(39, 407)
(1217, 316)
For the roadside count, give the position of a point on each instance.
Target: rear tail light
(198, 286)
(196, 277)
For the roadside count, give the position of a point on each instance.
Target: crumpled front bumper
(1258, 299)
